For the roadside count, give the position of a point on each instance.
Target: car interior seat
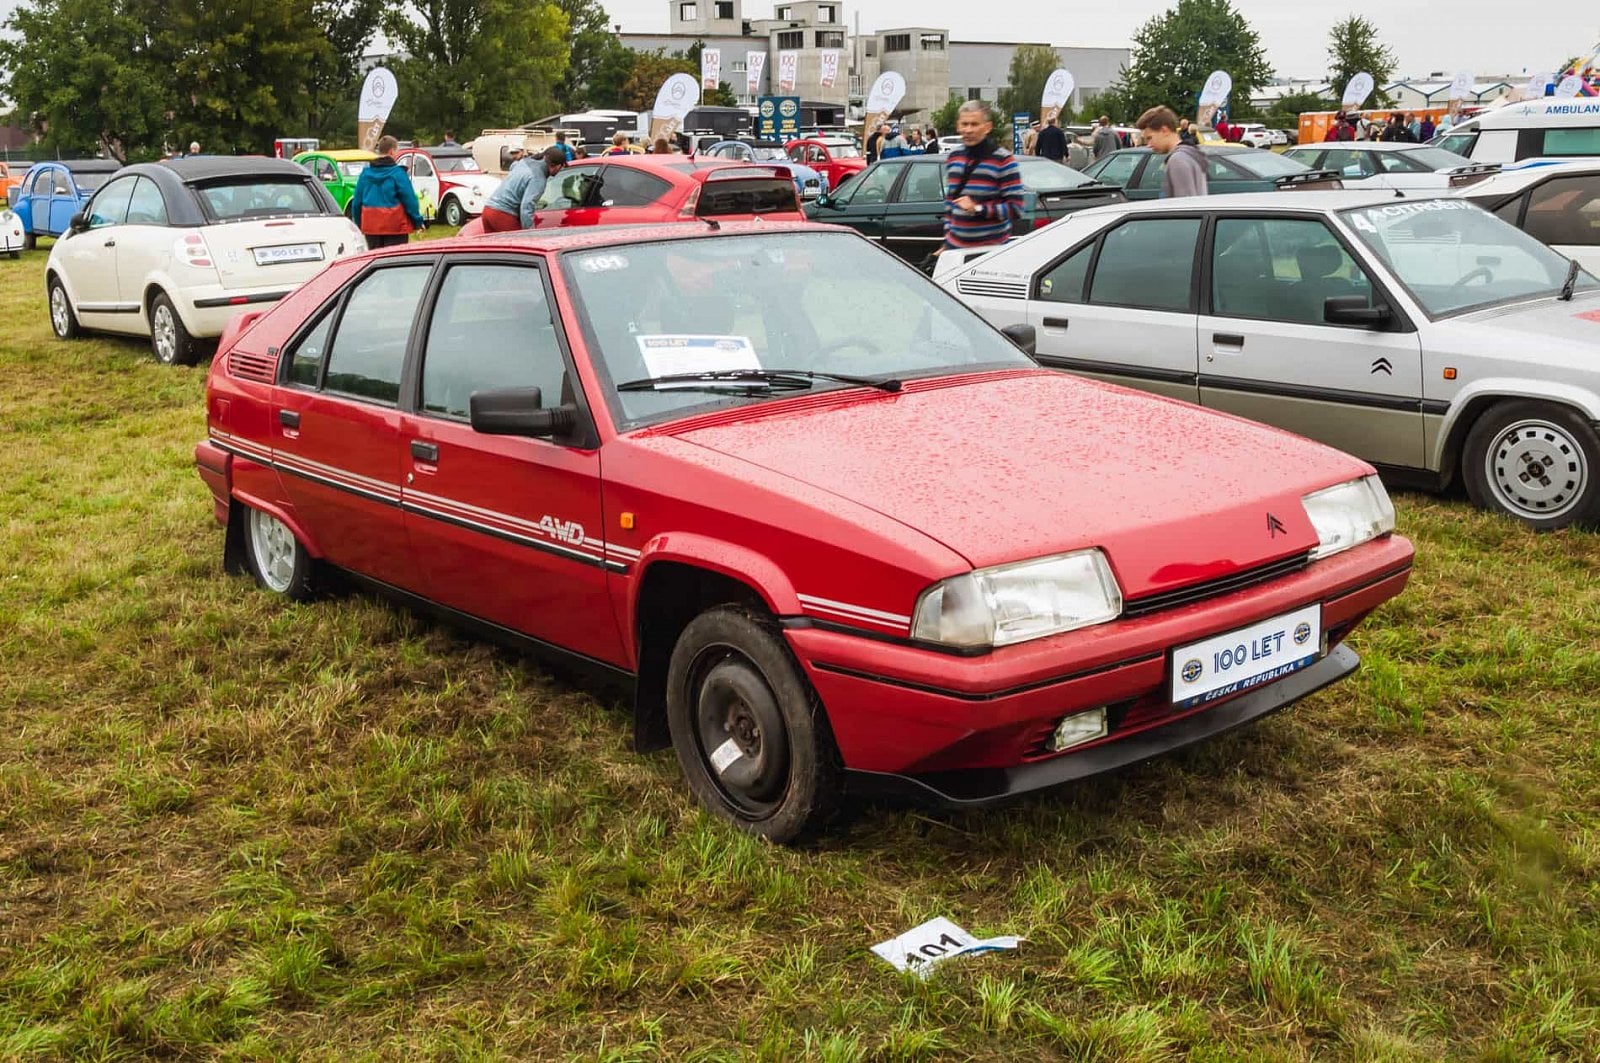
(1317, 283)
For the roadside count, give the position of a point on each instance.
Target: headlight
(1008, 604)
(1349, 515)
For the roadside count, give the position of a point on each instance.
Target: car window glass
(1511, 210)
(325, 171)
(1217, 169)
(1147, 263)
(566, 188)
(624, 186)
(924, 184)
(1280, 269)
(43, 182)
(491, 328)
(870, 187)
(367, 352)
(1572, 141)
(1459, 143)
(1348, 163)
(424, 168)
(1063, 283)
(305, 363)
(1565, 210)
(1402, 162)
(110, 204)
(62, 186)
(146, 206)
(1117, 169)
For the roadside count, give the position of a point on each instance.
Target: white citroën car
(1424, 335)
(172, 250)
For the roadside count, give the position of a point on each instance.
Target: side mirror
(518, 412)
(79, 222)
(1023, 336)
(823, 200)
(1353, 310)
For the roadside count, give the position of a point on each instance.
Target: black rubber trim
(878, 636)
(109, 308)
(1364, 399)
(1120, 369)
(980, 788)
(1214, 588)
(991, 695)
(235, 300)
(1435, 407)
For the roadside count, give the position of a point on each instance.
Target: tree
(475, 64)
(1176, 51)
(1286, 112)
(1031, 67)
(1354, 48)
(335, 83)
(612, 69)
(944, 119)
(649, 70)
(589, 41)
(722, 95)
(83, 71)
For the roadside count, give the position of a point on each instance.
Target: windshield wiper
(775, 379)
(1572, 282)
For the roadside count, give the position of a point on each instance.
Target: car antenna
(713, 224)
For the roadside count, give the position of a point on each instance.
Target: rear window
(91, 180)
(258, 198)
(747, 195)
(1044, 176)
(352, 169)
(456, 164)
(1266, 164)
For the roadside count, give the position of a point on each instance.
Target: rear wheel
(63, 322)
(753, 741)
(277, 559)
(29, 241)
(453, 214)
(1537, 462)
(169, 340)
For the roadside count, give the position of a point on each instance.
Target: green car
(1229, 168)
(337, 170)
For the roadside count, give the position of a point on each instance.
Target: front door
(64, 201)
(1121, 308)
(913, 221)
(506, 528)
(338, 442)
(862, 203)
(425, 183)
(1269, 355)
(144, 242)
(92, 259)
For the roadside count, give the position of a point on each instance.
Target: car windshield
(1042, 175)
(843, 151)
(807, 302)
(352, 169)
(258, 197)
(1266, 164)
(456, 164)
(1453, 257)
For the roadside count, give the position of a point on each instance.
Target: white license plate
(1248, 657)
(272, 256)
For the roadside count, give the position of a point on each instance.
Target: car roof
(1209, 149)
(207, 167)
(347, 155)
(1360, 145)
(89, 165)
(1287, 201)
(556, 241)
(1522, 174)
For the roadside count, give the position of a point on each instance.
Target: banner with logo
(830, 68)
(378, 93)
(788, 67)
(1569, 88)
(1057, 91)
(678, 96)
(886, 94)
(754, 64)
(1460, 89)
(710, 67)
(1357, 91)
(1212, 96)
(778, 118)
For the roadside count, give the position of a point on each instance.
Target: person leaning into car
(384, 206)
(511, 206)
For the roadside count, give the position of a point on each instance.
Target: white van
(1550, 128)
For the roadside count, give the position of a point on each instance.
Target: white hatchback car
(1557, 202)
(172, 250)
(1425, 335)
(1381, 164)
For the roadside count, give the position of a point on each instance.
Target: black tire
(751, 737)
(170, 342)
(452, 213)
(14, 254)
(1538, 462)
(29, 241)
(278, 560)
(63, 322)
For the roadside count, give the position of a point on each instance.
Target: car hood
(1011, 466)
(1575, 326)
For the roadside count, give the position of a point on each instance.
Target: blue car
(808, 182)
(52, 192)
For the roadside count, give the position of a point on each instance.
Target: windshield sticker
(671, 355)
(1371, 218)
(602, 263)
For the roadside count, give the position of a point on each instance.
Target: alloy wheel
(274, 548)
(1536, 469)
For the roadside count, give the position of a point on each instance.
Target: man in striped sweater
(983, 187)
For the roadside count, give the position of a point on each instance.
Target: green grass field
(235, 828)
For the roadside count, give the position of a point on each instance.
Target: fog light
(1078, 728)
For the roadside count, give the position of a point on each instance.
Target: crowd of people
(1400, 127)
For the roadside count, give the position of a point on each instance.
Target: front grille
(259, 367)
(1215, 588)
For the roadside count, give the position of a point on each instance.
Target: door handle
(428, 452)
(1056, 322)
(111, 242)
(289, 419)
(1227, 339)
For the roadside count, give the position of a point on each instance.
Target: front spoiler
(985, 787)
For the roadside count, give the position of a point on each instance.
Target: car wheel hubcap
(58, 310)
(741, 733)
(274, 547)
(1537, 469)
(166, 334)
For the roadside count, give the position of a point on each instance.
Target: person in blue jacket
(384, 205)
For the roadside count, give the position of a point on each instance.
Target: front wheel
(753, 741)
(169, 340)
(63, 322)
(453, 215)
(1536, 462)
(278, 561)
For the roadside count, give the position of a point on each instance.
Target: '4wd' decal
(567, 531)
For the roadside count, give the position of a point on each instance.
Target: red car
(651, 189)
(840, 160)
(828, 549)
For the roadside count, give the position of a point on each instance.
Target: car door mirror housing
(519, 412)
(79, 222)
(1024, 336)
(1353, 310)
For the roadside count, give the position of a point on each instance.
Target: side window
(421, 166)
(1063, 283)
(110, 204)
(1510, 211)
(1280, 269)
(565, 189)
(324, 171)
(1400, 162)
(1565, 210)
(42, 184)
(491, 328)
(366, 355)
(871, 187)
(1349, 163)
(305, 364)
(147, 207)
(1572, 141)
(1498, 145)
(1148, 264)
(1118, 169)
(61, 186)
(1459, 143)
(624, 186)
(1217, 169)
(924, 184)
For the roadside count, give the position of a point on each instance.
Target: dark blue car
(52, 192)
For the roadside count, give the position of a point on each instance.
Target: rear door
(1268, 354)
(65, 200)
(1122, 307)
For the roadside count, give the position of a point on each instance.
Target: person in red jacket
(384, 206)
